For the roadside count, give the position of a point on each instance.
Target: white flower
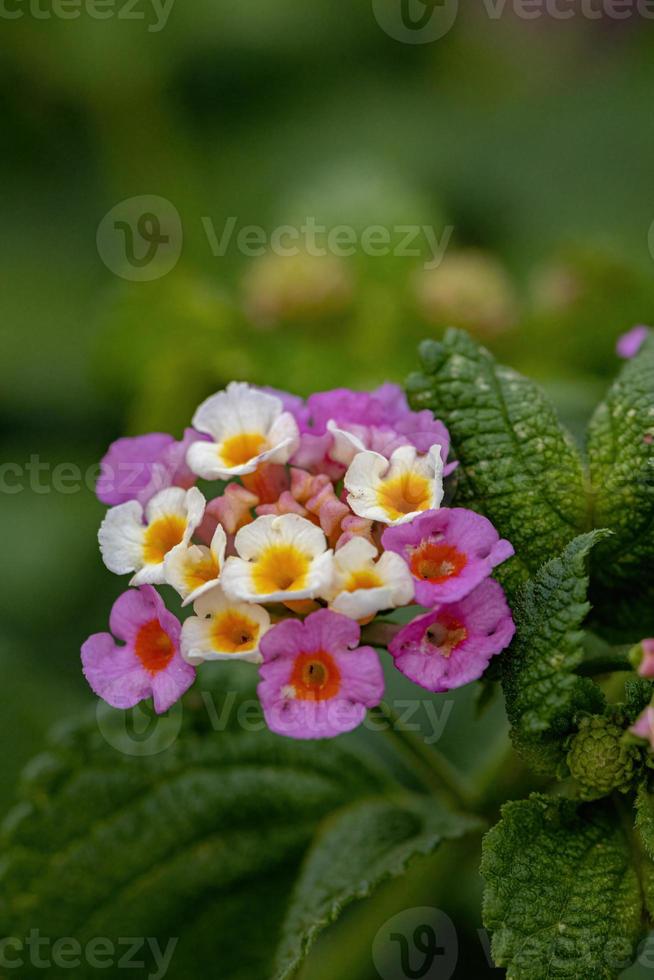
(280, 559)
(134, 540)
(397, 490)
(362, 586)
(193, 569)
(345, 445)
(248, 427)
(223, 629)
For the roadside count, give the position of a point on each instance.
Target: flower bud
(600, 759)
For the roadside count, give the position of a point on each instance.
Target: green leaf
(645, 818)
(203, 839)
(541, 689)
(563, 897)
(517, 464)
(621, 458)
(358, 848)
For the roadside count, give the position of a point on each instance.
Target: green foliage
(203, 841)
(621, 456)
(543, 694)
(645, 818)
(563, 896)
(517, 464)
(601, 759)
(359, 847)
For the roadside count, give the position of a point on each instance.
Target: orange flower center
(436, 562)
(315, 677)
(241, 448)
(162, 535)
(154, 647)
(446, 634)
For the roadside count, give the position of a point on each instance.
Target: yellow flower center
(280, 568)
(233, 632)
(198, 573)
(404, 494)
(162, 535)
(240, 449)
(363, 578)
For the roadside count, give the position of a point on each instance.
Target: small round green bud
(600, 759)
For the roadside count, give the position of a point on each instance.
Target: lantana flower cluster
(327, 515)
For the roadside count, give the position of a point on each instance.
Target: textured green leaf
(517, 464)
(542, 691)
(357, 849)
(201, 841)
(621, 458)
(563, 898)
(645, 818)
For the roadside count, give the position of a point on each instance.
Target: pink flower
(137, 468)
(149, 663)
(630, 342)
(316, 681)
(449, 552)
(336, 424)
(644, 725)
(646, 665)
(453, 644)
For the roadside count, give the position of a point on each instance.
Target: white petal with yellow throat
(397, 490)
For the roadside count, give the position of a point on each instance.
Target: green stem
(379, 633)
(435, 770)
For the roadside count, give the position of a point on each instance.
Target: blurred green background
(528, 142)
